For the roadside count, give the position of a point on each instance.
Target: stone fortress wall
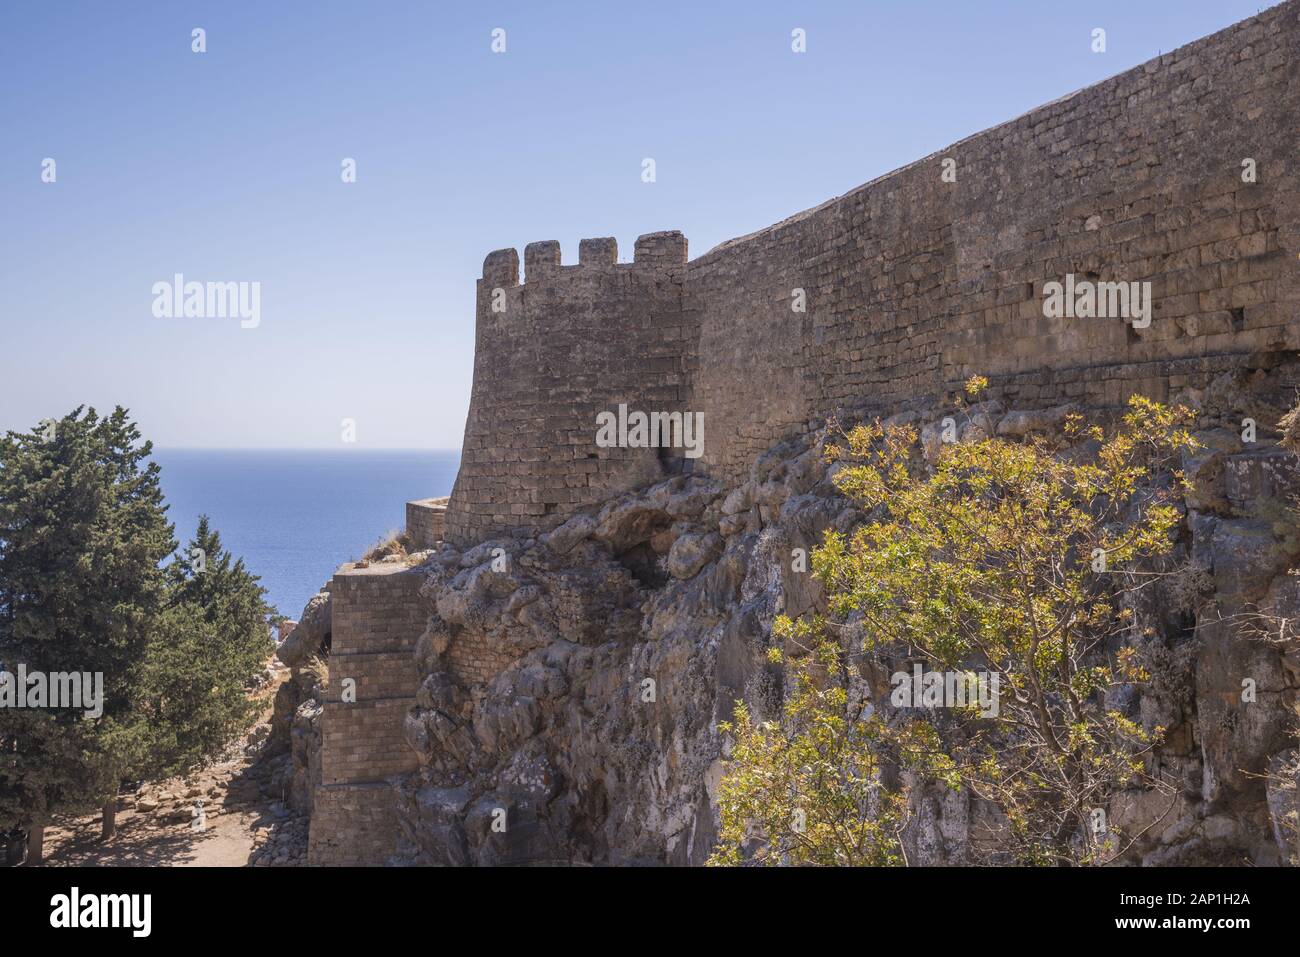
(426, 520)
(912, 284)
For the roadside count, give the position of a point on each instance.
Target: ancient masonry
(1183, 172)
(425, 520)
(912, 284)
(377, 616)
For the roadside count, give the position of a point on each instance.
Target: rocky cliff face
(575, 681)
(296, 717)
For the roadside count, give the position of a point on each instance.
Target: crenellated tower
(550, 353)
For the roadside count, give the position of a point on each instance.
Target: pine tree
(213, 636)
(83, 535)
(83, 531)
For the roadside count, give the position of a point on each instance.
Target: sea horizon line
(295, 448)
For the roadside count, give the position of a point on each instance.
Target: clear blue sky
(225, 166)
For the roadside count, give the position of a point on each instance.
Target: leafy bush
(1004, 558)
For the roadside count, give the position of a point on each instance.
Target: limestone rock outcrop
(574, 681)
(310, 635)
(296, 712)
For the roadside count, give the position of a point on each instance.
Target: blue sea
(294, 516)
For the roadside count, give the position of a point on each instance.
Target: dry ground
(244, 823)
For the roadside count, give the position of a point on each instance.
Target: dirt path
(227, 815)
(227, 841)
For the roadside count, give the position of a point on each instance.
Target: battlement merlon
(501, 268)
(661, 249)
(540, 258)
